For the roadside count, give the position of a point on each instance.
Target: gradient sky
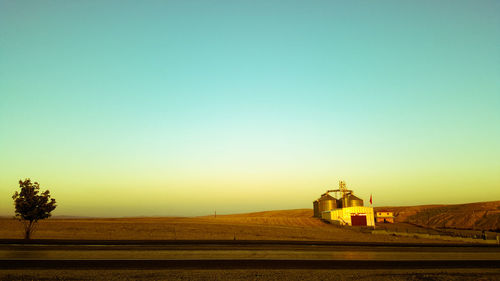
(130, 108)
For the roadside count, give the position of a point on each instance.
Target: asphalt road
(227, 255)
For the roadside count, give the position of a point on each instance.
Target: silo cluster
(327, 202)
(344, 208)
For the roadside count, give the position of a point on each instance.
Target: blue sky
(263, 103)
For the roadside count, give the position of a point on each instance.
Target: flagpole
(373, 210)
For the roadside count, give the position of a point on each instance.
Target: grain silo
(326, 203)
(317, 214)
(353, 201)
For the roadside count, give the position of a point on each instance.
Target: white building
(355, 216)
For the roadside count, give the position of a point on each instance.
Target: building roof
(326, 197)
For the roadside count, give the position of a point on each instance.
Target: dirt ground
(274, 225)
(299, 275)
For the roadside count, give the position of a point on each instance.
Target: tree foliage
(31, 205)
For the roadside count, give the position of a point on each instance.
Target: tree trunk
(28, 230)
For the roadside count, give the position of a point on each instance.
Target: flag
(371, 200)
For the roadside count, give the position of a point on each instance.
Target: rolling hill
(479, 215)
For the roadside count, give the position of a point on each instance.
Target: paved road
(252, 255)
(231, 252)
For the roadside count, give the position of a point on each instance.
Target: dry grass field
(479, 216)
(271, 225)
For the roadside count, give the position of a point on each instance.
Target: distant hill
(297, 217)
(63, 217)
(480, 215)
(294, 213)
(404, 212)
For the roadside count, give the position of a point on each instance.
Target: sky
(180, 108)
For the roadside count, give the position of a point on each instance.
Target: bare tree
(31, 205)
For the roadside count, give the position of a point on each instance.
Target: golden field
(479, 216)
(271, 225)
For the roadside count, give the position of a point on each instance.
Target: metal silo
(339, 203)
(353, 201)
(316, 209)
(326, 203)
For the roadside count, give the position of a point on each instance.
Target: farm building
(344, 208)
(384, 216)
